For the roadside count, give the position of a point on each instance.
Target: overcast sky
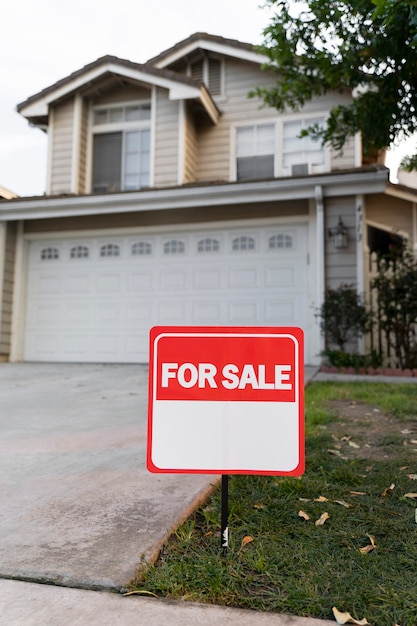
(45, 40)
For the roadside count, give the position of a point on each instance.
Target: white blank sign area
(236, 436)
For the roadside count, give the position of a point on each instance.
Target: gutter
(212, 194)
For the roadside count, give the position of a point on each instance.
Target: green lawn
(280, 561)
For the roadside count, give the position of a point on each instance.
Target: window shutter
(215, 77)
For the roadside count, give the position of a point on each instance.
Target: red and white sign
(226, 400)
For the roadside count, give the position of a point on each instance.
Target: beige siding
(194, 215)
(190, 148)
(344, 159)
(340, 265)
(61, 150)
(215, 144)
(127, 93)
(83, 183)
(391, 212)
(166, 140)
(8, 281)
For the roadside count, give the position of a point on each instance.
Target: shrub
(343, 316)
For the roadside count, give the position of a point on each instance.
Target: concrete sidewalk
(28, 604)
(78, 507)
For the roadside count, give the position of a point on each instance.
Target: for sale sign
(226, 400)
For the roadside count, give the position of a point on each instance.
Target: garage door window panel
(110, 250)
(175, 246)
(49, 254)
(79, 252)
(243, 243)
(280, 241)
(141, 248)
(208, 245)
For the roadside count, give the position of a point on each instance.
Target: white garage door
(95, 299)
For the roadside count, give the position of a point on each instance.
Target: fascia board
(401, 193)
(180, 198)
(40, 107)
(213, 46)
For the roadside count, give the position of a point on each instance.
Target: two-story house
(173, 198)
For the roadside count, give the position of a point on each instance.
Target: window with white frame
(301, 155)
(255, 151)
(121, 147)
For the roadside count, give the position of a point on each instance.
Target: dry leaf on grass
(353, 444)
(343, 503)
(303, 514)
(322, 519)
(388, 490)
(369, 547)
(412, 476)
(410, 495)
(358, 493)
(334, 452)
(246, 540)
(346, 618)
(321, 499)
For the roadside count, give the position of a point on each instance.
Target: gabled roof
(6, 194)
(213, 43)
(35, 109)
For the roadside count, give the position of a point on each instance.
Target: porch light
(340, 235)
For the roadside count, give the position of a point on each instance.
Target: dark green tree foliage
(367, 47)
(343, 316)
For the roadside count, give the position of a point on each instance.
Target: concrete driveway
(78, 507)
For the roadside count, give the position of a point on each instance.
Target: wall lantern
(340, 235)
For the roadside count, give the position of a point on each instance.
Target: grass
(291, 565)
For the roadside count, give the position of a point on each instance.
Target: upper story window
(121, 147)
(255, 151)
(209, 72)
(301, 155)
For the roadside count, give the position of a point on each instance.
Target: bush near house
(389, 323)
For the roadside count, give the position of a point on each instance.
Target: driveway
(78, 507)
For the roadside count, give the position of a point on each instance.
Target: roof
(231, 47)
(35, 108)
(6, 194)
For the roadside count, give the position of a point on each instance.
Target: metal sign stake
(225, 514)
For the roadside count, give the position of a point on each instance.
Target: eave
(211, 43)
(36, 108)
(352, 182)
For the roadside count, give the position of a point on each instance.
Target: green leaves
(316, 47)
